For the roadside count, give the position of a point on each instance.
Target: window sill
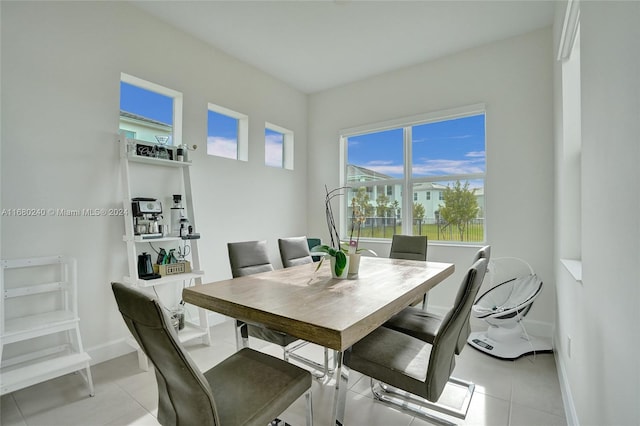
(574, 266)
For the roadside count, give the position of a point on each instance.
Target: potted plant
(339, 259)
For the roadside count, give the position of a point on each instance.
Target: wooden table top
(317, 308)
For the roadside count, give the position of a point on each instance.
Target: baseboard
(115, 348)
(109, 350)
(567, 399)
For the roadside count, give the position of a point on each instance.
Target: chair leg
(418, 405)
(321, 370)
(309, 419)
(309, 408)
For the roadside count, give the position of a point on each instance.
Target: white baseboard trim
(109, 350)
(115, 348)
(567, 399)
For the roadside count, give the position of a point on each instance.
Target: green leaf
(341, 262)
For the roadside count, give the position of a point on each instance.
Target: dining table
(308, 303)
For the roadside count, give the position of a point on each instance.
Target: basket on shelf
(173, 268)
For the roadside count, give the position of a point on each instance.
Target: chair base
(514, 347)
(419, 406)
(321, 371)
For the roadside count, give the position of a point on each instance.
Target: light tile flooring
(518, 393)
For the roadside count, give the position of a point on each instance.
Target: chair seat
(271, 336)
(416, 323)
(270, 383)
(393, 358)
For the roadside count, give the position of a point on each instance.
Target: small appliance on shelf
(146, 212)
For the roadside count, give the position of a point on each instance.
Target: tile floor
(517, 393)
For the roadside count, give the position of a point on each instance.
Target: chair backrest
(248, 257)
(184, 395)
(411, 247)
(294, 251)
(442, 358)
(483, 253)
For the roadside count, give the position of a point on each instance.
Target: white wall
(514, 79)
(61, 65)
(601, 374)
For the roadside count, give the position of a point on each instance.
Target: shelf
(190, 332)
(130, 150)
(164, 280)
(36, 322)
(139, 239)
(14, 378)
(29, 327)
(157, 161)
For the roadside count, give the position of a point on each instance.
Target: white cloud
(447, 167)
(222, 147)
(273, 155)
(476, 154)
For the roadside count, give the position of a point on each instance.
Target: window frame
(177, 102)
(407, 181)
(287, 145)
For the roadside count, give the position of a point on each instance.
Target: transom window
(227, 133)
(439, 158)
(149, 112)
(278, 147)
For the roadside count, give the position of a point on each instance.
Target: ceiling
(317, 45)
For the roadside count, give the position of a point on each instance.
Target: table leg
(340, 396)
(242, 335)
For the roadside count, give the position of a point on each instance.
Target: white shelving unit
(41, 308)
(136, 243)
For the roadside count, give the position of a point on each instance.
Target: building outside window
(441, 153)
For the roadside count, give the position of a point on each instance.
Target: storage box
(173, 268)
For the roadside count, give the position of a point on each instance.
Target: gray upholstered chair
(424, 325)
(248, 257)
(247, 388)
(294, 251)
(252, 257)
(414, 366)
(411, 247)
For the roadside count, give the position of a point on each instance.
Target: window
(227, 133)
(150, 112)
(441, 152)
(278, 147)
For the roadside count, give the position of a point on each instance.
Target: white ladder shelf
(198, 329)
(32, 320)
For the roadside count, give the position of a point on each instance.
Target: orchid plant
(334, 249)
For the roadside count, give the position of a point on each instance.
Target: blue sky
(222, 135)
(442, 148)
(144, 102)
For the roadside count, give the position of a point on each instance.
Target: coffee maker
(146, 212)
